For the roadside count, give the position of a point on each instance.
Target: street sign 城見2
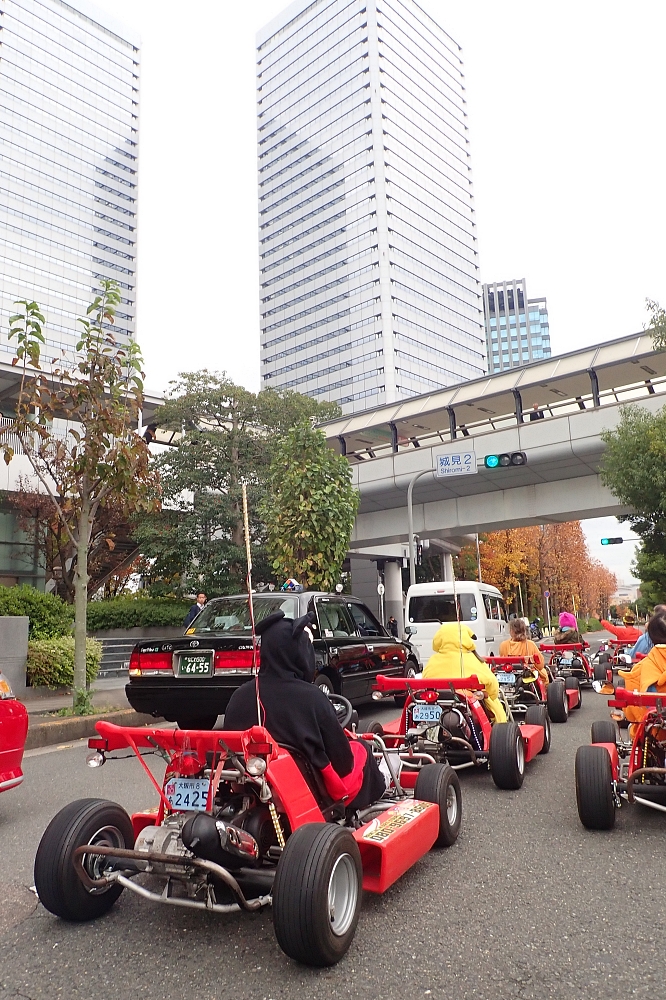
(459, 463)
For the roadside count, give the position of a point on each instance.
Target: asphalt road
(526, 905)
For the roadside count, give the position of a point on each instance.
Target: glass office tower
(517, 328)
(69, 91)
(367, 241)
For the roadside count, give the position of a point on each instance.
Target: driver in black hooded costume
(297, 713)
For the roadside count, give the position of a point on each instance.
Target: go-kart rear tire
(604, 731)
(537, 715)
(410, 670)
(600, 670)
(507, 755)
(594, 788)
(573, 684)
(319, 860)
(205, 722)
(439, 783)
(557, 701)
(58, 886)
(374, 727)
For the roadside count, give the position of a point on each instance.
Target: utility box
(14, 650)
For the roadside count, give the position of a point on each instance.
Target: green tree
(657, 324)
(309, 508)
(226, 435)
(75, 424)
(650, 569)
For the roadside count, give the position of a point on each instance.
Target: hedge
(141, 612)
(49, 615)
(51, 661)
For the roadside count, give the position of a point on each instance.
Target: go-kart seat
(315, 781)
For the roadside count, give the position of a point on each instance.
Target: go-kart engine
(164, 839)
(456, 724)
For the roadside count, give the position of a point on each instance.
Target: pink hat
(567, 620)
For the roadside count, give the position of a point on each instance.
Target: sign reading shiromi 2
(462, 463)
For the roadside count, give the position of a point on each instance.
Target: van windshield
(441, 608)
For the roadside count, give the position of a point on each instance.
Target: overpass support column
(393, 594)
(447, 565)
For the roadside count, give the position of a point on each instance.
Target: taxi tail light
(154, 661)
(233, 659)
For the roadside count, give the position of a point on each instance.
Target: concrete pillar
(447, 565)
(393, 594)
(14, 651)
(364, 580)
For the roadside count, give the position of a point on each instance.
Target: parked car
(190, 679)
(476, 604)
(13, 731)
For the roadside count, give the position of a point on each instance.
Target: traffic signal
(612, 541)
(502, 461)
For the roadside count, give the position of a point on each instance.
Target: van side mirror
(410, 630)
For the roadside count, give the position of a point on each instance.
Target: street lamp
(410, 525)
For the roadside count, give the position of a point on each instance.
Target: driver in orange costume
(649, 674)
(455, 656)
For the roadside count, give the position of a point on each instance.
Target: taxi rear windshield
(441, 608)
(231, 615)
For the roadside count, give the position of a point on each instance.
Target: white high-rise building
(69, 93)
(367, 241)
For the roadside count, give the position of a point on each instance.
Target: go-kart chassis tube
(195, 904)
(164, 859)
(636, 776)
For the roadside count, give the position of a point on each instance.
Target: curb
(44, 734)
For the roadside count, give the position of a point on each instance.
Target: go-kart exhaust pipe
(221, 842)
(377, 695)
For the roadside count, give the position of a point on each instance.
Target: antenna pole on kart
(248, 580)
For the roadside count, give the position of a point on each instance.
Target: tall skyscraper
(367, 240)
(69, 92)
(517, 329)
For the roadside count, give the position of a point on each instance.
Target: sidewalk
(109, 692)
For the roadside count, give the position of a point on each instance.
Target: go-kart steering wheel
(343, 709)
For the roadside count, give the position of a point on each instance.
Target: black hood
(286, 650)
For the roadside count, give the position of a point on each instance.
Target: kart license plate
(505, 678)
(187, 793)
(565, 663)
(195, 665)
(427, 713)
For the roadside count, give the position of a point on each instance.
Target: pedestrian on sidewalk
(195, 609)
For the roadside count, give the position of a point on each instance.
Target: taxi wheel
(317, 894)
(410, 670)
(86, 821)
(594, 788)
(439, 783)
(537, 715)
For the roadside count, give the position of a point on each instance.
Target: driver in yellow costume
(455, 656)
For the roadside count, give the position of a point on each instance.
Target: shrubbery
(51, 661)
(591, 625)
(49, 615)
(139, 612)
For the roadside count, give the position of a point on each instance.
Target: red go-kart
(571, 662)
(243, 823)
(13, 731)
(444, 720)
(612, 771)
(521, 687)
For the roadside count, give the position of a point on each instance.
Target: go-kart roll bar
(384, 683)
(509, 661)
(641, 699)
(546, 647)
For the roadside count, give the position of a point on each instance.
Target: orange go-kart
(242, 823)
(521, 687)
(612, 771)
(444, 720)
(570, 662)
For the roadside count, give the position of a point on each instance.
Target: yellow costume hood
(453, 647)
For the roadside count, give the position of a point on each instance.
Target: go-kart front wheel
(86, 821)
(557, 701)
(317, 894)
(604, 731)
(537, 715)
(439, 783)
(507, 755)
(594, 788)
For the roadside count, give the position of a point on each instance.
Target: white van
(479, 605)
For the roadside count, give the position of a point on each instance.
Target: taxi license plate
(195, 665)
(505, 678)
(427, 713)
(187, 793)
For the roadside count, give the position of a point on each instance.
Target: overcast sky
(566, 110)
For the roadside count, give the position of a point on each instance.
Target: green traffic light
(605, 541)
(612, 541)
(492, 461)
